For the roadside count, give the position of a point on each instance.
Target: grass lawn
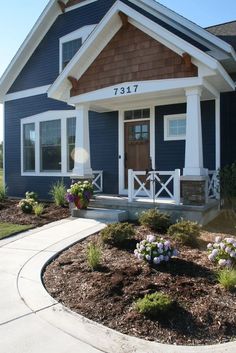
(7, 229)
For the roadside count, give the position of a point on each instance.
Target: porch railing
(154, 185)
(97, 181)
(213, 185)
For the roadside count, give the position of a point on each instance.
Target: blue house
(126, 92)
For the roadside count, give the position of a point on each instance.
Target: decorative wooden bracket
(187, 60)
(62, 5)
(74, 82)
(124, 19)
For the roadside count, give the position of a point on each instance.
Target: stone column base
(194, 190)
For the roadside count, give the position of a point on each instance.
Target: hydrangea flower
(223, 251)
(155, 250)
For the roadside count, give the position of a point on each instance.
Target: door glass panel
(139, 132)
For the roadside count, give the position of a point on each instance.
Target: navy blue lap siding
(14, 112)
(228, 128)
(104, 148)
(43, 66)
(170, 155)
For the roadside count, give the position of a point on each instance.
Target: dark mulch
(10, 213)
(204, 312)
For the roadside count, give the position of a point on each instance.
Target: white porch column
(82, 166)
(193, 148)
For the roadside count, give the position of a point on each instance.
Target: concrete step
(102, 214)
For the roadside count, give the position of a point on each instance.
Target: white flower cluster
(155, 250)
(223, 251)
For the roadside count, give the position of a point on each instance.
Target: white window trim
(167, 119)
(62, 115)
(82, 33)
(76, 6)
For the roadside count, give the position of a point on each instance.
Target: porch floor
(201, 214)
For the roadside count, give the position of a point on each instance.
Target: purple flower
(69, 197)
(151, 238)
(156, 260)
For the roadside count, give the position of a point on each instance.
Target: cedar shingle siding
(132, 55)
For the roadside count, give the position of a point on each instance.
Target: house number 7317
(126, 90)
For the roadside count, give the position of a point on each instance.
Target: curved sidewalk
(31, 321)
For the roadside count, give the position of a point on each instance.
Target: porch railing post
(130, 185)
(177, 186)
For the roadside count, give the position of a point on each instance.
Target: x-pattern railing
(98, 180)
(212, 184)
(148, 183)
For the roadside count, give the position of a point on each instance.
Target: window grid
(69, 49)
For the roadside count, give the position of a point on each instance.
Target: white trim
(26, 93)
(82, 33)
(217, 133)
(35, 36)
(144, 87)
(61, 115)
(121, 141)
(84, 3)
(3, 147)
(181, 23)
(167, 119)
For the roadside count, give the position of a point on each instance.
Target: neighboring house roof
(219, 49)
(225, 31)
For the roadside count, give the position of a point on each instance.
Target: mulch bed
(10, 213)
(204, 313)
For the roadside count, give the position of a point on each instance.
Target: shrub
(3, 192)
(26, 205)
(155, 304)
(155, 220)
(227, 278)
(38, 209)
(117, 233)
(31, 195)
(223, 252)
(94, 255)
(155, 250)
(227, 182)
(58, 192)
(186, 232)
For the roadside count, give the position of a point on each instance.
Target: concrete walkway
(31, 321)
(21, 328)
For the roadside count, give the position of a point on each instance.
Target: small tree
(1, 155)
(227, 182)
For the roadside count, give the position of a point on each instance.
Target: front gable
(130, 56)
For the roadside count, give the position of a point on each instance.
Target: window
(50, 145)
(137, 114)
(70, 44)
(71, 126)
(139, 132)
(69, 49)
(174, 127)
(29, 147)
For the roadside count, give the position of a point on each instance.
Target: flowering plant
(155, 250)
(27, 205)
(223, 251)
(80, 193)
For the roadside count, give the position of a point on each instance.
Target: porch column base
(87, 175)
(195, 172)
(194, 190)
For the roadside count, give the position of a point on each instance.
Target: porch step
(102, 214)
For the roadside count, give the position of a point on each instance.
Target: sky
(18, 17)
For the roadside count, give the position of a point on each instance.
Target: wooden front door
(137, 147)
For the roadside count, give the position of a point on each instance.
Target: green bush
(31, 195)
(154, 305)
(227, 183)
(227, 278)
(94, 255)
(3, 192)
(155, 220)
(58, 192)
(117, 233)
(38, 209)
(185, 232)
(27, 205)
